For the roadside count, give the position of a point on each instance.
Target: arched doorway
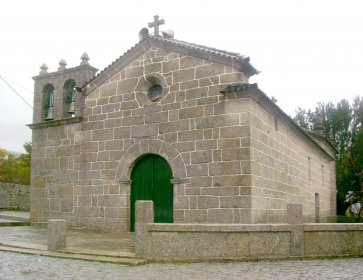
(150, 180)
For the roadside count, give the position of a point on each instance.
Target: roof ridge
(236, 54)
(213, 51)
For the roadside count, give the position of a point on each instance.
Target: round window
(155, 92)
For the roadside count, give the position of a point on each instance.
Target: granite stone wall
(288, 168)
(191, 242)
(216, 145)
(187, 126)
(14, 196)
(291, 238)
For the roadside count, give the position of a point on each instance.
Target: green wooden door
(150, 180)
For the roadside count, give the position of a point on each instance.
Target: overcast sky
(307, 51)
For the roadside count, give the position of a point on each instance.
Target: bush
(16, 168)
(345, 219)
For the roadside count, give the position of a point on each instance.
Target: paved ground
(115, 247)
(121, 245)
(19, 266)
(37, 238)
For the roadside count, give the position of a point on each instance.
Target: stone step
(93, 252)
(15, 215)
(117, 247)
(108, 259)
(7, 222)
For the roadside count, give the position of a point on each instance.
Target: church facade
(176, 123)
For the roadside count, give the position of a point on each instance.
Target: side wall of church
(287, 168)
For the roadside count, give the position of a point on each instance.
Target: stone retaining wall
(249, 242)
(192, 242)
(14, 196)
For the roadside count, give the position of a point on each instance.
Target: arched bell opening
(69, 98)
(48, 101)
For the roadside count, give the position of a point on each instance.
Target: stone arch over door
(150, 146)
(147, 147)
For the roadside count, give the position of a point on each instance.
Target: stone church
(177, 123)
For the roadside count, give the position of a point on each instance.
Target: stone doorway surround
(163, 149)
(151, 146)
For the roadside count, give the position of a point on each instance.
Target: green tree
(3, 154)
(342, 124)
(16, 168)
(304, 118)
(26, 158)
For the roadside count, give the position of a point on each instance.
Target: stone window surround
(143, 86)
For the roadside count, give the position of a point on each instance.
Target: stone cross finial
(156, 24)
(43, 69)
(85, 59)
(318, 127)
(62, 65)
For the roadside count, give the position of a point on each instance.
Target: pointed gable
(235, 60)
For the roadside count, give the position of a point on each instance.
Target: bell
(71, 109)
(49, 114)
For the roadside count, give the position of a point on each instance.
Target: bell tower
(58, 95)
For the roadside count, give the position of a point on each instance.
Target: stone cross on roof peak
(156, 24)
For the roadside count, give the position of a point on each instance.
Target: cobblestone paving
(19, 266)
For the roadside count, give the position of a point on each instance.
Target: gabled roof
(213, 51)
(240, 62)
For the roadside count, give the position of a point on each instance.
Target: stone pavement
(19, 266)
(114, 247)
(118, 248)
